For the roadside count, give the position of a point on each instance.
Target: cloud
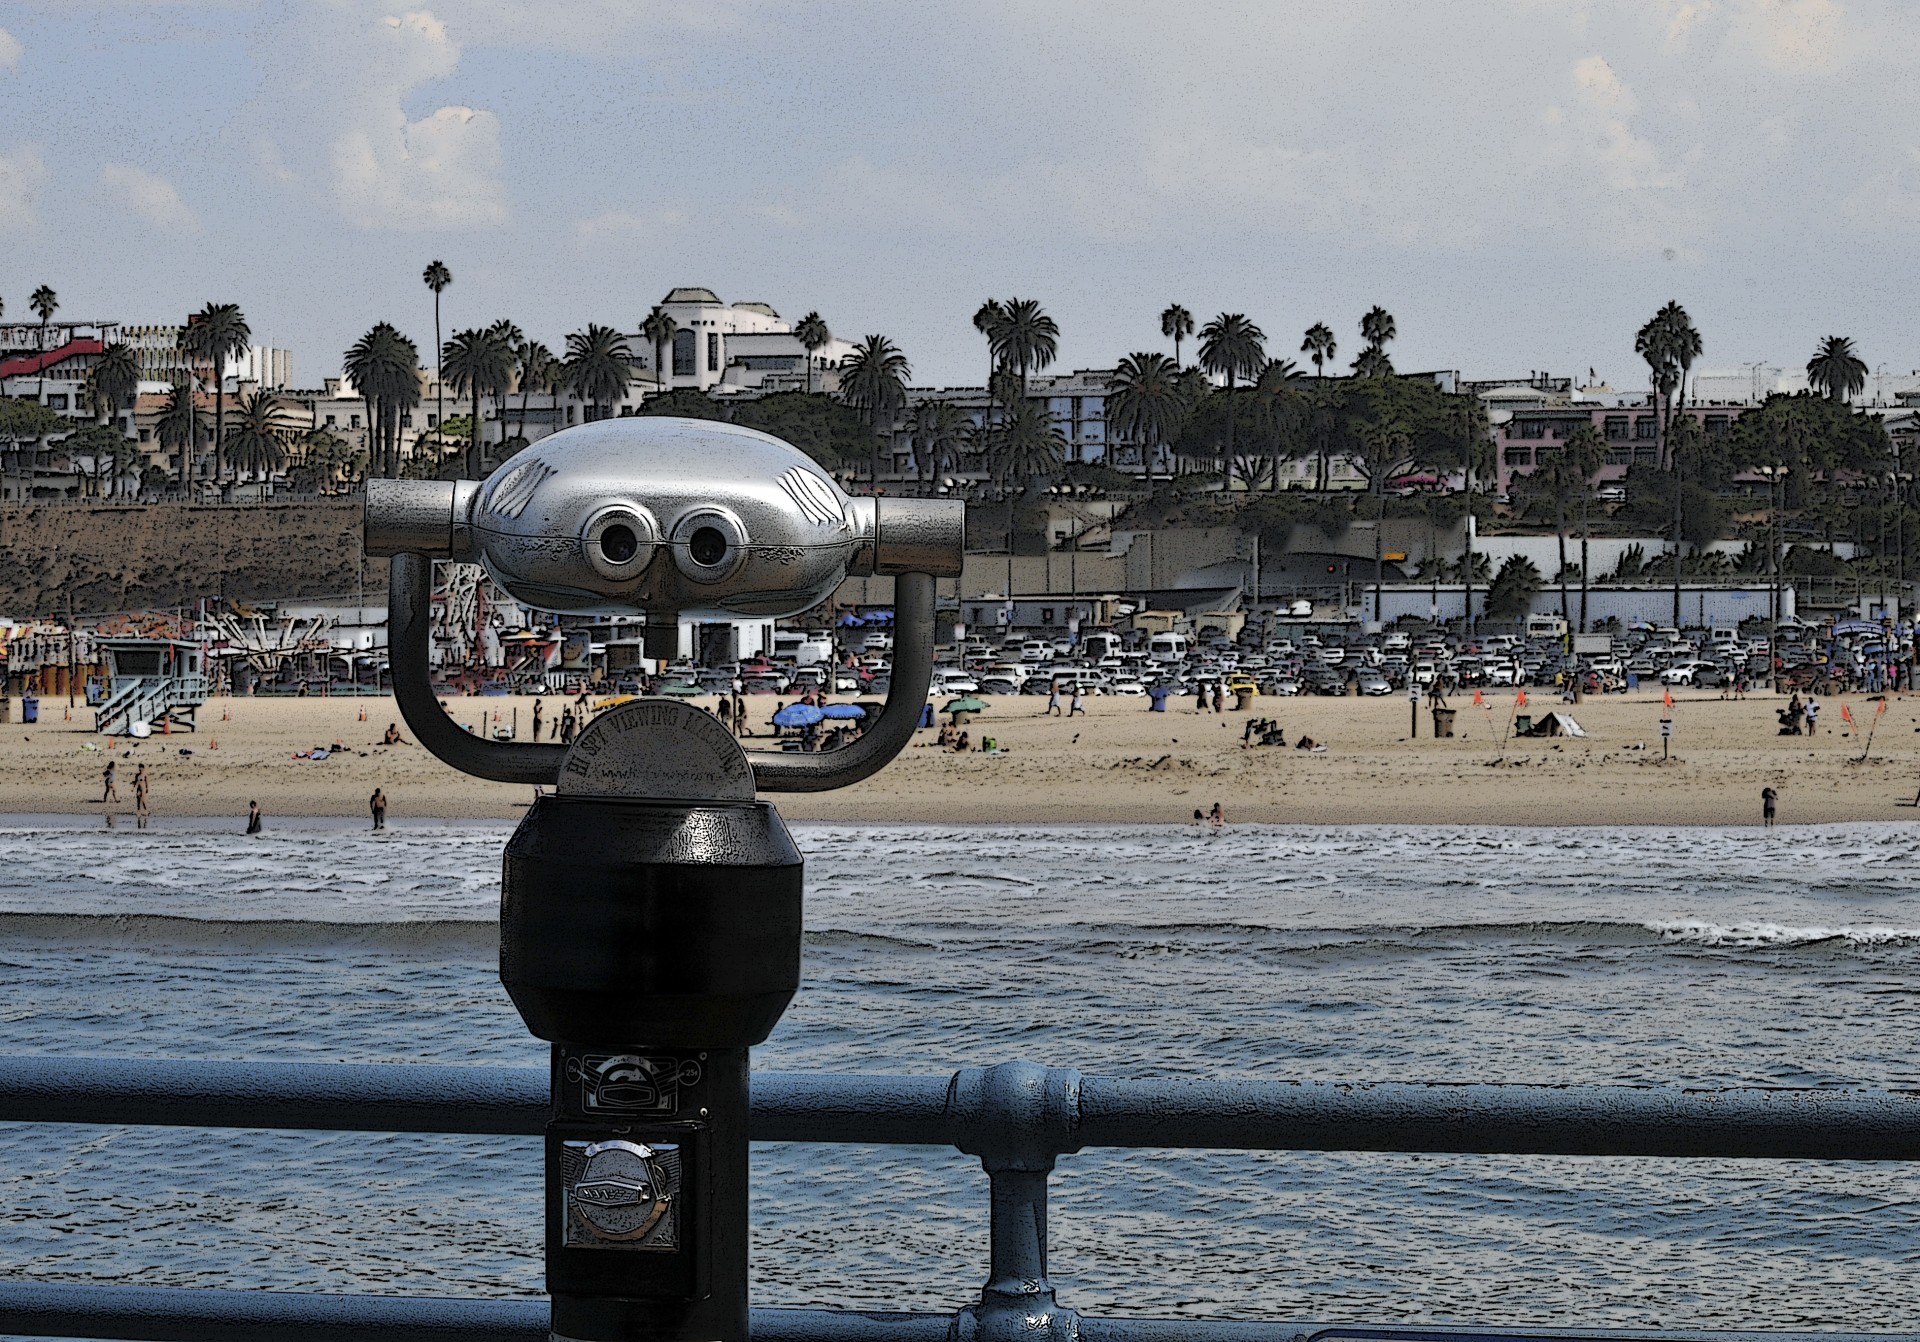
(21, 175)
(627, 223)
(10, 50)
(339, 125)
(147, 197)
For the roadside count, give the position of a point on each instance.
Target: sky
(1520, 182)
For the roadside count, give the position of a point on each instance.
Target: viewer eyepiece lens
(618, 543)
(708, 547)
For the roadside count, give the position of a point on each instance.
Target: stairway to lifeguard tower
(150, 700)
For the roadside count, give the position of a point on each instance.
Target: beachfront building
(1526, 439)
(730, 348)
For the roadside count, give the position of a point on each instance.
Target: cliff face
(112, 557)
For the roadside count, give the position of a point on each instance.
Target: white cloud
(10, 50)
(21, 175)
(338, 122)
(147, 197)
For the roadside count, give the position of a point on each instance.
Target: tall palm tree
(1176, 323)
(1278, 400)
(1029, 339)
(1145, 403)
(385, 366)
(598, 367)
(1029, 448)
(213, 335)
(538, 371)
(514, 338)
(1377, 328)
(812, 333)
(1385, 450)
(44, 302)
(1585, 453)
(258, 440)
(1835, 370)
(477, 363)
(113, 380)
(437, 277)
(180, 424)
(873, 380)
(657, 330)
(1231, 347)
(1683, 342)
(939, 432)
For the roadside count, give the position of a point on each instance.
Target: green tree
(384, 366)
(113, 381)
(1835, 370)
(477, 363)
(873, 380)
(831, 433)
(1146, 405)
(1280, 405)
(939, 434)
(213, 335)
(1319, 346)
(1232, 348)
(598, 367)
(1377, 329)
(181, 421)
(1584, 454)
(44, 302)
(657, 330)
(988, 320)
(1027, 338)
(538, 371)
(258, 440)
(1511, 594)
(95, 443)
(1028, 449)
(437, 277)
(24, 423)
(1176, 323)
(813, 335)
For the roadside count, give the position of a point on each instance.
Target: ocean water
(1648, 956)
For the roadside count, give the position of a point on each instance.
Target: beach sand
(1118, 763)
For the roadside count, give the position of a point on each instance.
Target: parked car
(1373, 683)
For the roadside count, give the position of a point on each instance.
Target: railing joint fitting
(1015, 1116)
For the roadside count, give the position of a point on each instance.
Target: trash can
(1443, 722)
(1242, 700)
(6, 709)
(29, 709)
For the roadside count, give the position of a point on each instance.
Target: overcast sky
(1521, 182)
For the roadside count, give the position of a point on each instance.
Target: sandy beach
(1118, 763)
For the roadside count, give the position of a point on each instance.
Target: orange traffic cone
(68, 712)
(166, 725)
(226, 715)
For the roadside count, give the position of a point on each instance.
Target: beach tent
(1556, 724)
(844, 711)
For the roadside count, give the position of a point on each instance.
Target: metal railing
(1018, 1118)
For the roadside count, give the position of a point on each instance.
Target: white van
(803, 648)
(1546, 626)
(1099, 647)
(1167, 647)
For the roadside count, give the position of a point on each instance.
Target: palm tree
(514, 338)
(1385, 450)
(1277, 401)
(437, 277)
(812, 333)
(1377, 328)
(1372, 362)
(657, 330)
(258, 440)
(180, 424)
(1683, 342)
(538, 371)
(598, 367)
(477, 363)
(1835, 370)
(939, 432)
(385, 366)
(873, 380)
(44, 302)
(1232, 347)
(113, 380)
(1029, 446)
(1585, 453)
(213, 335)
(1145, 403)
(1028, 338)
(1319, 346)
(1175, 323)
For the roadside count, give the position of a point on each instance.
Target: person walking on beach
(253, 817)
(539, 709)
(1079, 704)
(1219, 698)
(566, 728)
(110, 793)
(140, 785)
(377, 803)
(1813, 713)
(1200, 699)
(1053, 697)
(1768, 797)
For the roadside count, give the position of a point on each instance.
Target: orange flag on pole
(1668, 696)
(1476, 699)
(1846, 715)
(1520, 700)
(1883, 708)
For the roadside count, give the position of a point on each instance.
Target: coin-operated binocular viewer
(650, 910)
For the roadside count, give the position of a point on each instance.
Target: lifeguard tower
(156, 683)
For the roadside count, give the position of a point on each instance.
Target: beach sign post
(1666, 737)
(650, 907)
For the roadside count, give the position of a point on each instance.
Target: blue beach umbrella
(843, 711)
(797, 715)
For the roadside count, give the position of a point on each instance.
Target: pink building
(1531, 437)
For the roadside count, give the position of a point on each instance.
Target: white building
(731, 348)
